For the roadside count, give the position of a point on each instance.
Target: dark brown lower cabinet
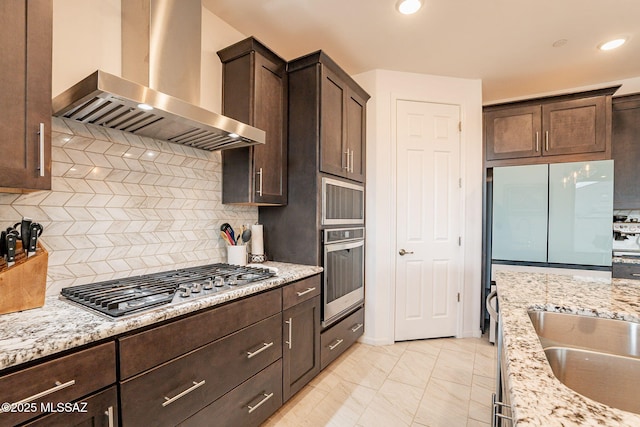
(98, 410)
(170, 393)
(301, 345)
(337, 339)
(249, 404)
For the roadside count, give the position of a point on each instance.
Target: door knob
(403, 252)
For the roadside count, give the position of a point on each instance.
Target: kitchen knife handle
(11, 248)
(41, 148)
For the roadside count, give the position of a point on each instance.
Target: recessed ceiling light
(612, 44)
(407, 7)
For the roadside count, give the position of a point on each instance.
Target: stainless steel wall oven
(342, 202)
(343, 287)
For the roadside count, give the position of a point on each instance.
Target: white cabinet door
(580, 213)
(520, 209)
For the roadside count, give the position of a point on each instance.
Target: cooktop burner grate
(120, 297)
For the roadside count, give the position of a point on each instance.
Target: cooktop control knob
(219, 281)
(184, 292)
(196, 288)
(208, 284)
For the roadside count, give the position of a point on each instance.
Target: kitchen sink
(591, 333)
(606, 378)
(596, 357)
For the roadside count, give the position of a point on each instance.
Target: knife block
(23, 285)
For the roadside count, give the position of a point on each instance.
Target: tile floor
(439, 382)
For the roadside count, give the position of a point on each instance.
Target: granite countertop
(60, 325)
(538, 398)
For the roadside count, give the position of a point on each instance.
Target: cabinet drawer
(623, 270)
(101, 410)
(336, 340)
(249, 404)
(180, 337)
(64, 379)
(176, 390)
(300, 291)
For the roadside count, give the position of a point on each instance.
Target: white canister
(237, 255)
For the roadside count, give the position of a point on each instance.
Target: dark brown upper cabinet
(565, 128)
(342, 131)
(25, 95)
(254, 84)
(625, 151)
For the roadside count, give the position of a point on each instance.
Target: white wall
(385, 87)
(87, 37)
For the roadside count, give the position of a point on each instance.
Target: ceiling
(506, 43)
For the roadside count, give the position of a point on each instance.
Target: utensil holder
(23, 285)
(237, 255)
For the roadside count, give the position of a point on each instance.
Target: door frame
(394, 212)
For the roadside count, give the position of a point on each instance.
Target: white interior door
(428, 220)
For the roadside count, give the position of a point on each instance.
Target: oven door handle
(332, 247)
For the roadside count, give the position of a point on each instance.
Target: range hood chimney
(159, 92)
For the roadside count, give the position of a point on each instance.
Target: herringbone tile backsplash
(123, 205)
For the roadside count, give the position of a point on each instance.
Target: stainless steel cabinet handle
(109, 414)
(170, 400)
(493, 313)
(266, 397)
(41, 148)
(332, 347)
(358, 326)
(260, 350)
(290, 323)
(546, 141)
(305, 292)
(537, 141)
(259, 183)
(57, 387)
(635, 274)
(351, 169)
(347, 166)
(402, 252)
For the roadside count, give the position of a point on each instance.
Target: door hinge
(458, 296)
(459, 182)
(460, 126)
(460, 241)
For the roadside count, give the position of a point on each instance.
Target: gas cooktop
(132, 295)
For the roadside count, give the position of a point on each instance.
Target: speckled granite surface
(538, 398)
(60, 325)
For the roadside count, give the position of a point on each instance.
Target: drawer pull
(332, 347)
(356, 327)
(266, 397)
(58, 386)
(260, 350)
(109, 415)
(170, 400)
(635, 274)
(306, 292)
(290, 323)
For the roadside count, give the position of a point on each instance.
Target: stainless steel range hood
(160, 50)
